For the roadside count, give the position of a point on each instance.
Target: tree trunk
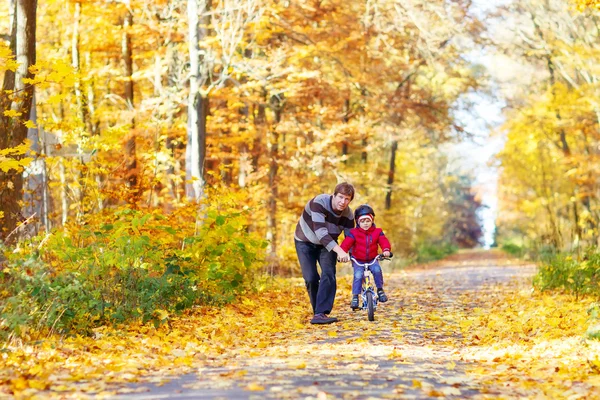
(391, 174)
(12, 130)
(198, 104)
(259, 119)
(345, 119)
(363, 155)
(244, 153)
(132, 174)
(76, 62)
(33, 182)
(556, 235)
(64, 197)
(273, 146)
(94, 125)
(197, 113)
(173, 145)
(81, 113)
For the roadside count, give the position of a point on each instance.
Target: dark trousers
(321, 288)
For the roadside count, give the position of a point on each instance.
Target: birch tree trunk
(81, 114)
(198, 20)
(273, 148)
(12, 130)
(94, 124)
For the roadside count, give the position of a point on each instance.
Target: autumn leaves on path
(469, 327)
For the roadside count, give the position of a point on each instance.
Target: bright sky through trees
(480, 113)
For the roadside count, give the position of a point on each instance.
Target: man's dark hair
(344, 188)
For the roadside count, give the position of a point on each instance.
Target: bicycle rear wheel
(370, 306)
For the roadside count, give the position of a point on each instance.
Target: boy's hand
(386, 253)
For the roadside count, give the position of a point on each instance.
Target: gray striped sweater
(319, 224)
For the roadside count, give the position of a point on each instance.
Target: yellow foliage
(12, 158)
(12, 113)
(7, 59)
(583, 4)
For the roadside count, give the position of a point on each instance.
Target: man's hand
(386, 253)
(342, 256)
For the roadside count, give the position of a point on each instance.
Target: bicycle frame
(369, 296)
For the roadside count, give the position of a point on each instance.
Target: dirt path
(412, 350)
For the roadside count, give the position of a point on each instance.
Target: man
(323, 219)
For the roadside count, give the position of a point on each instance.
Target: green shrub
(579, 276)
(126, 266)
(513, 249)
(427, 252)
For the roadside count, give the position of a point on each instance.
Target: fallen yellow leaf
(255, 387)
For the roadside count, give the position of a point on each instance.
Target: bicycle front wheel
(370, 306)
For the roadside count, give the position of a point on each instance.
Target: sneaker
(354, 302)
(322, 319)
(382, 296)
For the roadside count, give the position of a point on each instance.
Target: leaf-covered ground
(470, 327)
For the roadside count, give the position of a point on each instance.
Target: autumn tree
(16, 99)
(276, 101)
(554, 127)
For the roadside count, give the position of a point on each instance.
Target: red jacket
(364, 243)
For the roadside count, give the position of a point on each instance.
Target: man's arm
(319, 226)
(347, 244)
(342, 256)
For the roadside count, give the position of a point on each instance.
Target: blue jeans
(321, 288)
(359, 272)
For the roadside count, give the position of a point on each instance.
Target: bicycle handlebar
(378, 257)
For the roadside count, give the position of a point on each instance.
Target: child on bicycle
(364, 241)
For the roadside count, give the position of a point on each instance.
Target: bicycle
(369, 296)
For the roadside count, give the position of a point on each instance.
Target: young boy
(363, 241)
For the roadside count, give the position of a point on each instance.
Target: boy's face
(365, 223)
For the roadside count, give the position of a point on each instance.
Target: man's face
(341, 201)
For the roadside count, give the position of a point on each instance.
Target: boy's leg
(356, 285)
(359, 273)
(377, 274)
(328, 283)
(308, 254)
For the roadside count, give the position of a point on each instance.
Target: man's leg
(308, 254)
(328, 284)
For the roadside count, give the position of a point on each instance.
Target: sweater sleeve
(319, 225)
